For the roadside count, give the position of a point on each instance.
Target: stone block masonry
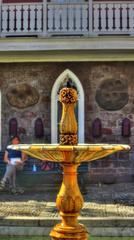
(109, 96)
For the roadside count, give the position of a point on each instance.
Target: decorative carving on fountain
(69, 199)
(68, 125)
(69, 204)
(68, 139)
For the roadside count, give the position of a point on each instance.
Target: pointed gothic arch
(54, 105)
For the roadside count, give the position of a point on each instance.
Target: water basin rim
(53, 147)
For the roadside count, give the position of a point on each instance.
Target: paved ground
(115, 200)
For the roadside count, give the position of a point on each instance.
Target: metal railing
(83, 18)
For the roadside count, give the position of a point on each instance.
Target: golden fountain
(70, 155)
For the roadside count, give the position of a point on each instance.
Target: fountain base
(61, 232)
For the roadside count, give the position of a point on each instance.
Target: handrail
(83, 18)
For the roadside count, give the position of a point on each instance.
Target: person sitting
(13, 159)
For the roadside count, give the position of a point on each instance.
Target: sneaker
(13, 191)
(20, 190)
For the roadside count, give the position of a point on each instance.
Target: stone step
(29, 226)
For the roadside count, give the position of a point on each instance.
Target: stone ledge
(67, 43)
(70, 49)
(123, 231)
(50, 221)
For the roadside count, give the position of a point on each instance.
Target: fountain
(70, 155)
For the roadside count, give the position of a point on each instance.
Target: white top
(14, 160)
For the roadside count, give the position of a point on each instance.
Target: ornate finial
(68, 95)
(68, 125)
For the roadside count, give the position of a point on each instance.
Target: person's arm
(24, 157)
(22, 160)
(6, 159)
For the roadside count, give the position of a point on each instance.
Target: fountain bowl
(69, 154)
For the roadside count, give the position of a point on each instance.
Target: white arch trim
(54, 105)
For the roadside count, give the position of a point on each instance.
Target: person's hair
(13, 137)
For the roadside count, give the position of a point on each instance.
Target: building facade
(89, 42)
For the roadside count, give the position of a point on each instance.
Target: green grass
(48, 238)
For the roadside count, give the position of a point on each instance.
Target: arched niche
(96, 128)
(126, 127)
(38, 128)
(13, 127)
(54, 105)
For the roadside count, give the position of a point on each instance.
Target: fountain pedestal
(70, 156)
(69, 200)
(69, 203)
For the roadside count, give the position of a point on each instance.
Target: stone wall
(109, 95)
